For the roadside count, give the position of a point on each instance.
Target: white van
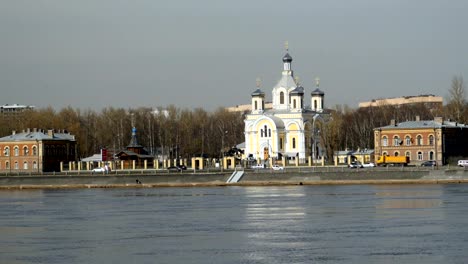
(463, 163)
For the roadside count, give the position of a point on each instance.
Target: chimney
(50, 133)
(34, 129)
(28, 130)
(392, 122)
(418, 118)
(13, 132)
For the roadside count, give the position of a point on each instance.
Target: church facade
(289, 128)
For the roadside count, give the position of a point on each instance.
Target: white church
(286, 131)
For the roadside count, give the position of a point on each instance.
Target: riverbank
(250, 178)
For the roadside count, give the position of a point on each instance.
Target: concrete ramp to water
(235, 177)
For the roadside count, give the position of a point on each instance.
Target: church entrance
(266, 154)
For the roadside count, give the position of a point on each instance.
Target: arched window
(34, 165)
(281, 143)
(34, 150)
(384, 141)
(7, 165)
(16, 149)
(281, 97)
(384, 153)
(294, 103)
(269, 132)
(408, 154)
(25, 165)
(261, 132)
(315, 104)
(16, 165)
(408, 141)
(6, 151)
(294, 143)
(431, 140)
(255, 108)
(396, 141)
(25, 151)
(419, 140)
(420, 155)
(396, 154)
(431, 155)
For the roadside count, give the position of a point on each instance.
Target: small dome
(298, 91)
(258, 92)
(287, 58)
(317, 92)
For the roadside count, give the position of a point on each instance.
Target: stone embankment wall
(249, 178)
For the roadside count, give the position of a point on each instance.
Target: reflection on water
(294, 224)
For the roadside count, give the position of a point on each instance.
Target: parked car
(258, 166)
(174, 168)
(100, 169)
(429, 163)
(368, 165)
(276, 167)
(355, 164)
(463, 163)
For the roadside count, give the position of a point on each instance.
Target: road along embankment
(250, 178)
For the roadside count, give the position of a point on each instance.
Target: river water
(295, 224)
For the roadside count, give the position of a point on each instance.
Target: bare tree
(457, 101)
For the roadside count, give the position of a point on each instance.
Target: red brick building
(422, 140)
(36, 151)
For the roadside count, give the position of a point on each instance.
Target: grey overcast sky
(91, 54)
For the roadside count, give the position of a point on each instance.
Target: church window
(281, 143)
(261, 132)
(294, 143)
(281, 97)
(255, 105)
(294, 103)
(315, 104)
(269, 132)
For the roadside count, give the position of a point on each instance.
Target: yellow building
(287, 129)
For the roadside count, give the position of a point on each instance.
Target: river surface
(295, 224)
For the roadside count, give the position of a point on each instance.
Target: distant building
(36, 150)
(135, 152)
(347, 156)
(14, 108)
(422, 140)
(247, 107)
(430, 101)
(289, 128)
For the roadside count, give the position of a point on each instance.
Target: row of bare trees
(177, 132)
(170, 131)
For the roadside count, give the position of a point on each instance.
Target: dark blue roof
(287, 58)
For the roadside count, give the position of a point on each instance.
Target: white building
(285, 130)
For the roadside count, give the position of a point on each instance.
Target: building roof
(258, 92)
(424, 124)
(38, 135)
(299, 91)
(317, 92)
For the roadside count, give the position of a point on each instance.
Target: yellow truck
(393, 160)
